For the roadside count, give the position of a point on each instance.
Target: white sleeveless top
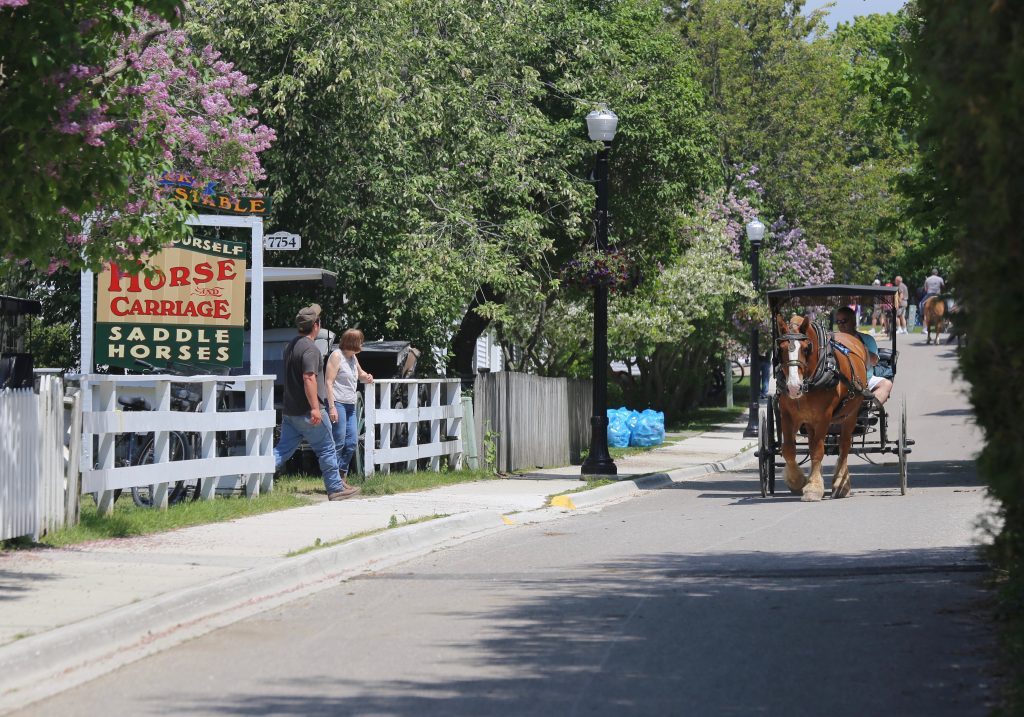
(345, 382)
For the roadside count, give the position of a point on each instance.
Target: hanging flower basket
(612, 269)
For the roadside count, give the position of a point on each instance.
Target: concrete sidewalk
(71, 614)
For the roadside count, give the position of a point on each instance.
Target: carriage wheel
(765, 457)
(901, 446)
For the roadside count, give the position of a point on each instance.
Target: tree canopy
(97, 99)
(437, 152)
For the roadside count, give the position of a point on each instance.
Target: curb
(40, 666)
(737, 462)
(615, 491)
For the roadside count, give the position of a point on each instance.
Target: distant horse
(825, 379)
(934, 317)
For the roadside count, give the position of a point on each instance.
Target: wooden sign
(191, 310)
(205, 197)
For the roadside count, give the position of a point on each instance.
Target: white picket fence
(32, 480)
(103, 420)
(393, 414)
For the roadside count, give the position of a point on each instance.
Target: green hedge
(970, 60)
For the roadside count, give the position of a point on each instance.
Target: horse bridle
(799, 363)
(825, 340)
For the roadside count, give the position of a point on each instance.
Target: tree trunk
(463, 345)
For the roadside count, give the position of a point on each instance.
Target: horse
(934, 317)
(825, 380)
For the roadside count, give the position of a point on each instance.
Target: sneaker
(347, 491)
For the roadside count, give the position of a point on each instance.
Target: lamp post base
(598, 462)
(751, 430)
(599, 468)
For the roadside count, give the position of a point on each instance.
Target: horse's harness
(826, 373)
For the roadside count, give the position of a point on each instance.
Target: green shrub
(969, 57)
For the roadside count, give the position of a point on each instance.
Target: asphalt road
(703, 599)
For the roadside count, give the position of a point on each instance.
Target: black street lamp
(755, 233)
(601, 124)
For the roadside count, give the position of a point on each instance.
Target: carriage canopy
(810, 296)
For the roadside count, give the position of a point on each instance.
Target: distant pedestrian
(902, 305)
(887, 303)
(876, 311)
(304, 414)
(343, 372)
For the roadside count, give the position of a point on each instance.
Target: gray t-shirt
(934, 284)
(301, 356)
(904, 294)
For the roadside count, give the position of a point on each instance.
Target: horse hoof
(841, 492)
(812, 496)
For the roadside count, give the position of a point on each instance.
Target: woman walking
(343, 371)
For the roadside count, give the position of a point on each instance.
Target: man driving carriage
(846, 321)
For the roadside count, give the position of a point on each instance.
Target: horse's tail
(936, 305)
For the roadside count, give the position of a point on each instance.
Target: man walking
(304, 414)
(902, 305)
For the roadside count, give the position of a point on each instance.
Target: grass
(386, 483)
(130, 520)
(393, 523)
(596, 483)
(706, 418)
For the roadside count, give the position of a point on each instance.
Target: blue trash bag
(648, 432)
(656, 416)
(632, 418)
(621, 413)
(618, 432)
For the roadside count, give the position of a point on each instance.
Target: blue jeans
(345, 435)
(294, 429)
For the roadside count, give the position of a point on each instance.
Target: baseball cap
(306, 317)
(876, 282)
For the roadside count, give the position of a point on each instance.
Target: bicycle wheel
(737, 367)
(176, 492)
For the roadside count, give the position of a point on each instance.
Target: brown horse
(934, 317)
(815, 408)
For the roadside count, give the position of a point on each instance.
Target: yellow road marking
(563, 501)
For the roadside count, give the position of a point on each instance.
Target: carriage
(875, 432)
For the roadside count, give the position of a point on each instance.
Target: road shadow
(952, 412)
(744, 487)
(17, 585)
(593, 641)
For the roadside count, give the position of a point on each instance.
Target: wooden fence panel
(581, 405)
(534, 421)
(103, 471)
(51, 454)
(394, 412)
(19, 464)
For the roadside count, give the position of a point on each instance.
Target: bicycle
(715, 385)
(139, 449)
(186, 444)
